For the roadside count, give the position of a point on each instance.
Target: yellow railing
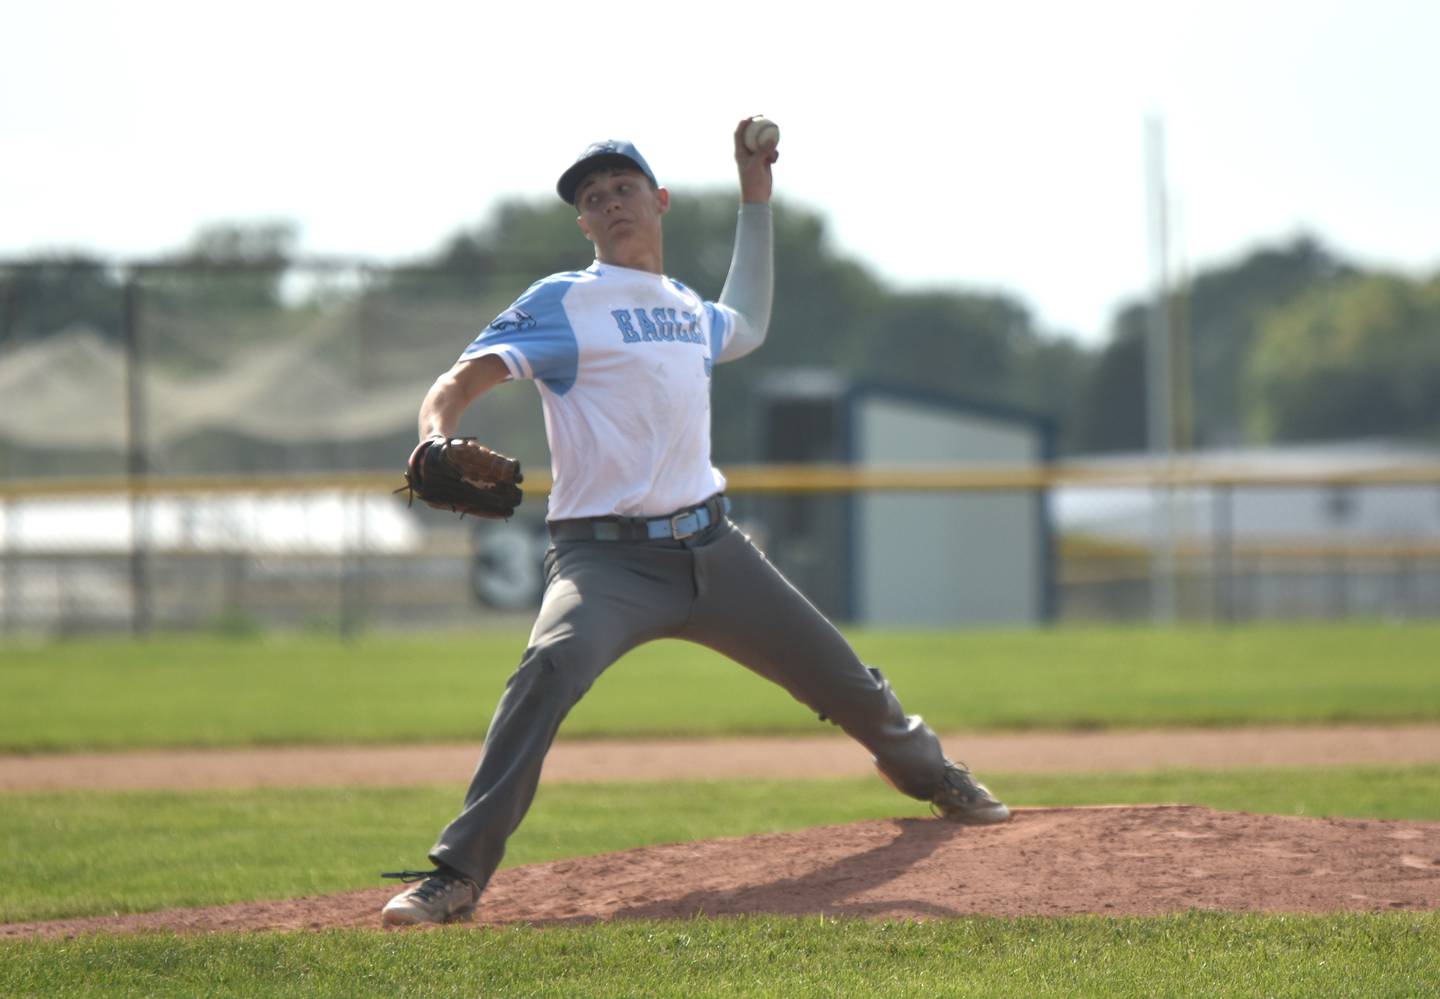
(766, 479)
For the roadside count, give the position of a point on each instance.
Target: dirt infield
(1046, 861)
(670, 759)
(1142, 860)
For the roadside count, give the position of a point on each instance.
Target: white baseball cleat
(961, 798)
(441, 896)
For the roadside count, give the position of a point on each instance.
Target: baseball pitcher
(623, 357)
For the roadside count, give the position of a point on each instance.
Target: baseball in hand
(761, 132)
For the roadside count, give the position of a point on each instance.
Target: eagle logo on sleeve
(513, 319)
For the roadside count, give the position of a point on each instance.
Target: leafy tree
(1225, 307)
(1112, 407)
(1350, 359)
(1052, 372)
(943, 341)
(520, 238)
(46, 296)
(1222, 309)
(241, 244)
(227, 267)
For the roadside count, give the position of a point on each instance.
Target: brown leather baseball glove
(461, 474)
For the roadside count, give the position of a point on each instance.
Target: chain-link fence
(238, 432)
(155, 374)
(1334, 540)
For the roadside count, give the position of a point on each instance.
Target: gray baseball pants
(604, 598)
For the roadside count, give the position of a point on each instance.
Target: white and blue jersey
(623, 360)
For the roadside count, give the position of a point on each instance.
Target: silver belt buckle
(675, 531)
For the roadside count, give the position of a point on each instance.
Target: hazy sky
(966, 144)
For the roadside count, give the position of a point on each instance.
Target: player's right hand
(756, 183)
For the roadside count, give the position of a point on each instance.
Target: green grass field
(1198, 954)
(212, 691)
(78, 853)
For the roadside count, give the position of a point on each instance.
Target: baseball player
(641, 546)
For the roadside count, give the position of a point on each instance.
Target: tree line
(1289, 343)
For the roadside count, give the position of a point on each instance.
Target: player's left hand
(756, 182)
(463, 475)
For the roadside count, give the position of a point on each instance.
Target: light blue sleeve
(722, 325)
(750, 286)
(534, 336)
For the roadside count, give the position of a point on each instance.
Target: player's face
(620, 213)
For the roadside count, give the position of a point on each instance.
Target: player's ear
(662, 196)
(580, 221)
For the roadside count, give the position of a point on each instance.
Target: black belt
(676, 526)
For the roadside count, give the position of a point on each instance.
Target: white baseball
(761, 132)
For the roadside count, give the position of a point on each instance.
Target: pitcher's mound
(1142, 860)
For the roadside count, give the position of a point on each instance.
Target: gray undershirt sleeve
(750, 285)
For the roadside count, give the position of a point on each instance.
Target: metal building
(898, 559)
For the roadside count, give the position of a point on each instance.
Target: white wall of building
(945, 559)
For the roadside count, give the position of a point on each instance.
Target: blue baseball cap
(610, 152)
